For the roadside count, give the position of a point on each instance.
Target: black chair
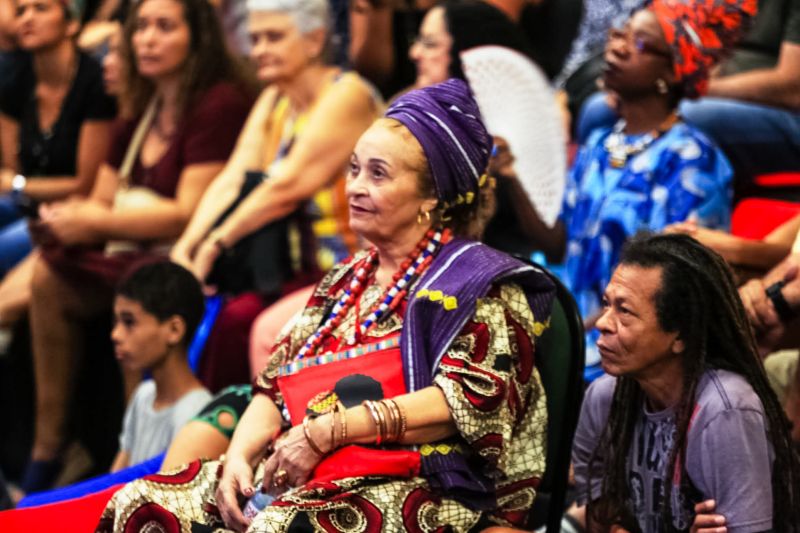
(560, 358)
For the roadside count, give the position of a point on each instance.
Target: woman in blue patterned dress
(651, 169)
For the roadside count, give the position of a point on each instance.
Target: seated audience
(299, 136)
(453, 27)
(189, 98)
(685, 414)
(156, 311)
(752, 105)
(381, 35)
(55, 119)
(15, 288)
(651, 169)
(420, 315)
(773, 304)
(447, 30)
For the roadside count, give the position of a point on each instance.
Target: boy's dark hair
(164, 290)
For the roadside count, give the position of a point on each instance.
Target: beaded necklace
(417, 262)
(618, 148)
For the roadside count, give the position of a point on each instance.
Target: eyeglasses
(428, 43)
(637, 42)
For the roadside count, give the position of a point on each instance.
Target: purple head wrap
(446, 121)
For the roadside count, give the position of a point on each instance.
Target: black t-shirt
(54, 152)
(550, 28)
(777, 21)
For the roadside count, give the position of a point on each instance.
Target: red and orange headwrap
(700, 33)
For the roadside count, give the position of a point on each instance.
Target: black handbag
(260, 262)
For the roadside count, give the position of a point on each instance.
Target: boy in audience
(156, 311)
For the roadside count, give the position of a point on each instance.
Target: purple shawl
(467, 270)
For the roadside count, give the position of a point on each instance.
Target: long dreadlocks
(698, 299)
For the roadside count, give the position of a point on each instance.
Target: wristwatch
(782, 307)
(18, 183)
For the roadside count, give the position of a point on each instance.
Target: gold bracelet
(343, 421)
(392, 420)
(333, 428)
(373, 411)
(382, 418)
(391, 406)
(307, 433)
(403, 420)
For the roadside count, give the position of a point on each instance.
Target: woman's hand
(74, 222)
(180, 254)
(207, 253)
(705, 521)
(294, 456)
(721, 242)
(237, 478)
(502, 161)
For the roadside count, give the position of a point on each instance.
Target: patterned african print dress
(493, 390)
(682, 175)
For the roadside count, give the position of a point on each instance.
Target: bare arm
(93, 220)
(121, 460)
(428, 418)
(552, 241)
(317, 159)
(259, 425)
(9, 138)
(169, 217)
(225, 187)
(371, 42)
(92, 148)
(760, 254)
(6, 25)
(779, 86)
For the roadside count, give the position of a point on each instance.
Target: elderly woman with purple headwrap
(406, 395)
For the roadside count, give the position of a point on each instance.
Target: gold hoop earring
(426, 215)
(661, 86)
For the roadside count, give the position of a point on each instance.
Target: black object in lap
(262, 260)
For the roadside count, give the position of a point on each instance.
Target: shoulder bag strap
(136, 143)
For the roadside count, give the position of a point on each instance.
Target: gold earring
(661, 86)
(601, 84)
(423, 214)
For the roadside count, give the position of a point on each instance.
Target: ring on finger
(280, 478)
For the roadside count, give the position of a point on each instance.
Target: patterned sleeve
(697, 177)
(493, 388)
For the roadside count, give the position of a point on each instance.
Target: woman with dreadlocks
(685, 414)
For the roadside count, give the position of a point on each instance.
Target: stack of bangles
(390, 420)
(338, 418)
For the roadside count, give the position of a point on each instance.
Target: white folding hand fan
(518, 104)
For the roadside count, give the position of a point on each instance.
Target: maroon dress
(207, 134)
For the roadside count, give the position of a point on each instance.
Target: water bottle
(257, 503)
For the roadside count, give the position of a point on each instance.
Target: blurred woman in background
(188, 99)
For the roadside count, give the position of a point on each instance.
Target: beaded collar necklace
(619, 150)
(413, 266)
